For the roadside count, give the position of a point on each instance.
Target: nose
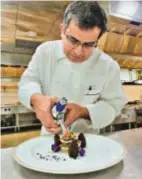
(78, 50)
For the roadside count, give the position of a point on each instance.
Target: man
(75, 69)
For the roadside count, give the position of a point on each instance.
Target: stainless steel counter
(130, 168)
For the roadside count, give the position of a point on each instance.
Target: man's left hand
(74, 112)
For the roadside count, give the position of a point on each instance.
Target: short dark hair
(88, 14)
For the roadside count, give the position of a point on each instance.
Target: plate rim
(78, 171)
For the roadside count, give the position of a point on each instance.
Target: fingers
(68, 122)
(54, 130)
(68, 116)
(46, 119)
(72, 113)
(43, 112)
(69, 119)
(69, 106)
(54, 100)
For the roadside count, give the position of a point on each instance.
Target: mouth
(77, 58)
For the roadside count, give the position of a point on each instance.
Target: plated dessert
(72, 143)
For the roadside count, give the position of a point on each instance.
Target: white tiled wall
(124, 75)
(128, 75)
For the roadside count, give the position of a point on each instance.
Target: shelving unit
(123, 41)
(19, 111)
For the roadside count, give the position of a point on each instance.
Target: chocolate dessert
(73, 149)
(71, 143)
(81, 137)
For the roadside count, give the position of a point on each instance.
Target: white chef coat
(94, 83)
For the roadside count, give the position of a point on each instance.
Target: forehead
(81, 34)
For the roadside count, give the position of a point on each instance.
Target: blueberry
(81, 152)
(55, 147)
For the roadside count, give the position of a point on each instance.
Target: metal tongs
(58, 112)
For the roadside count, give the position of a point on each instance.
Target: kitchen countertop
(9, 98)
(130, 168)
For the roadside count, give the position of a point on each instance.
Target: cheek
(88, 53)
(67, 49)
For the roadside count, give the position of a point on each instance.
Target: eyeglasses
(73, 41)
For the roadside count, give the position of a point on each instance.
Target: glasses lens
(76, 42)
(90, 45)
(72, 40)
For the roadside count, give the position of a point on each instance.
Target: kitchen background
(26, 24)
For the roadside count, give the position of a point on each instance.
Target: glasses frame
(75, 42)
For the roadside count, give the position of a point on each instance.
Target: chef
(75, 69)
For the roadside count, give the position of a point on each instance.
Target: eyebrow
(82, 43)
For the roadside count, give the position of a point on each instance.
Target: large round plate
(101, 153)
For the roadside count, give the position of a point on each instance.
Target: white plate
(101, 153)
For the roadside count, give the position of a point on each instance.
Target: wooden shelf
(127, 61)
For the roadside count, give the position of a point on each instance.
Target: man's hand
(75, 111)
(42, 106)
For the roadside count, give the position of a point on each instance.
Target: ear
(62, 28)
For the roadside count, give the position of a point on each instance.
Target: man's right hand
(42, 106)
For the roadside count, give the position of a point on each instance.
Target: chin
(76, 60)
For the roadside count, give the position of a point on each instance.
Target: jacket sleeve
(30, 81)
(111, 101)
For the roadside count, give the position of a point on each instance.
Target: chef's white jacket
(94, 83)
